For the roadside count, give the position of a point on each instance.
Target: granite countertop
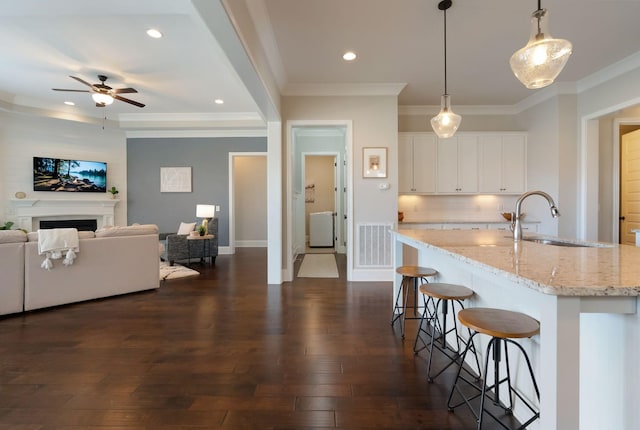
(600, 270)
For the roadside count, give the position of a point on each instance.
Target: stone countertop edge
(464, 221)
(557, 290)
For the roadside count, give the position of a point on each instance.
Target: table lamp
(205, 212)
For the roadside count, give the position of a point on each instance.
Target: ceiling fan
(103, 94)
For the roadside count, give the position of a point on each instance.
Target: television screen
(55, 174)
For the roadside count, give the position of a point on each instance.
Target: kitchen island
(587, 354)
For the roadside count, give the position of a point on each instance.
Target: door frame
(615, 214)
(289, 145)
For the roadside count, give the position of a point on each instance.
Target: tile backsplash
(466, 207)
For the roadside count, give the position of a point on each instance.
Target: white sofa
(12, 244)
(118, 260)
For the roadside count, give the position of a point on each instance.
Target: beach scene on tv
(55, 174)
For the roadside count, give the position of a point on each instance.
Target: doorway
(321, 201)
(247, 200)
(629, 215)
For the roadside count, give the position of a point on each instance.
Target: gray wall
(209, 162)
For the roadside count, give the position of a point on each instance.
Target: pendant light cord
(445, 52)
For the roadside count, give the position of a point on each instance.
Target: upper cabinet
(457, 165)
(468, 163)
(503, 163)
(417, 163)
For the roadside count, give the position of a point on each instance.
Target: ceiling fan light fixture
(540, 62)
(101, 98)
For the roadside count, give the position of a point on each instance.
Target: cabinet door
(405, 163)
(514, 168)
(467, 164)
(490, 177)
(448, 165)
(424, 163)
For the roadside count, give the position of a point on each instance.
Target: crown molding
(459, 109)
(163, 134)
(614, 70)
(390, 89)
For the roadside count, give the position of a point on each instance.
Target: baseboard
(251, 243)
(373, 275)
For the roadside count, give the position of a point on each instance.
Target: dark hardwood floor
(222, 350)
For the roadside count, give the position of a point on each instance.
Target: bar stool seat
(442, 295)
(410, 277)
(502, 326)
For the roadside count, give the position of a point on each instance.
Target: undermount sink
(553, 242)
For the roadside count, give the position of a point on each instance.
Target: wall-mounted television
(57, 174)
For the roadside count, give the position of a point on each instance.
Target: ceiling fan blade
(124, 90)
(133, 102)
(73, 91)
(82, 81)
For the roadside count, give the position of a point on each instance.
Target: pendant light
(446, 122)
(543, 58)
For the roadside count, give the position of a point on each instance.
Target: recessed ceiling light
(152, 32)
(70, 103)
(219, 101)
(349, 56)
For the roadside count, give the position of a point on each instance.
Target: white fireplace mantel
(29, 212)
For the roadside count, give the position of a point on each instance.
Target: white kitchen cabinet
(458, 165)
(502, 163)
(417, 154)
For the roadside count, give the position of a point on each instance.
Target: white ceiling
(397, 41)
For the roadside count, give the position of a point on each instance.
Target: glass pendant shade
(541, 61)
(446, 123)
(103, 99)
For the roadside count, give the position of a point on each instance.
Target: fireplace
(79, 224)
(31, 212)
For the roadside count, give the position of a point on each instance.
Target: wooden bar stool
(502, 326)
(410, 277)
(443, 296)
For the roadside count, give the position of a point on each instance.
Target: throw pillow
(186, 227)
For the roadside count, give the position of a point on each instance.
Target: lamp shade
(101, 98)
(205, 211)
(446, 123)
(543, 58)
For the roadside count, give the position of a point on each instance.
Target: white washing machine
(321, 229)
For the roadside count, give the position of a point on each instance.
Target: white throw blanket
(53, 243)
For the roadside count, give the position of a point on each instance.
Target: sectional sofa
(111, 261)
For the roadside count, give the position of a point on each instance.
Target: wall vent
(374, 246)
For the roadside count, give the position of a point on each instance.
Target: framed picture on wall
(374, 162)
(175, 179)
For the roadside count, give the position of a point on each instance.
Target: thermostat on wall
(384, 186)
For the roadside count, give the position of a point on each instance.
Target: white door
(629, 187)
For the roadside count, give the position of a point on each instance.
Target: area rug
(175, 272)
(318, 266)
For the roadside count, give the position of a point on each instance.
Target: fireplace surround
(29, 212)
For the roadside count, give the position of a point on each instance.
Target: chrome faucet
(516, 224)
